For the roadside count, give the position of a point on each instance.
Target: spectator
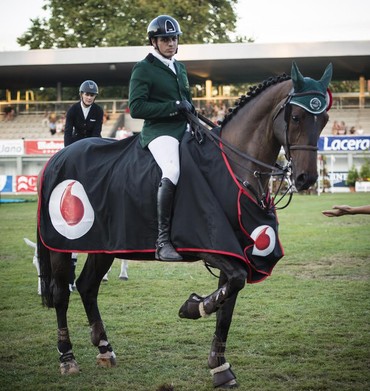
(360, 130)
(9, 113)
(84, 118)
(45, 120)
(341, 210)
(52, 123)
(335, 128)
(352, 130)
(59, 126)
(106, 116)
(342, 128)
(221, 113)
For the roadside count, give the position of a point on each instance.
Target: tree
(96, 23)
(352, 177)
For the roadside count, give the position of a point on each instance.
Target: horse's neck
(251, 131)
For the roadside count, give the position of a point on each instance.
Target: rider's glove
(185, 107)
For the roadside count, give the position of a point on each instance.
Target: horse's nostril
(304, 181)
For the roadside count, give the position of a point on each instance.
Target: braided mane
(252, 93)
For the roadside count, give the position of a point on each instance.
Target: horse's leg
(35, 261)
(197, 306)
(232, 279)
(88, 283)
(60, 269)
(124, 266)
(72, 276)
(105, 277)
(221, 372)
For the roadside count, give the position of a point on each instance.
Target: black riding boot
(165, 250)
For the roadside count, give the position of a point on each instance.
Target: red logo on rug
(70, 210)
(264, 240)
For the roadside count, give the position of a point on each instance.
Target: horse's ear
(297, 78)
(326, 77)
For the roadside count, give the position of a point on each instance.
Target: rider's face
(167, 46)
(88, 99)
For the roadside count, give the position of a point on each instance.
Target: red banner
(43, 147)
(26, 184)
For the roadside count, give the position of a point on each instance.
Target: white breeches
(165, 150)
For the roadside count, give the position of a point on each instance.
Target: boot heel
(166, 252)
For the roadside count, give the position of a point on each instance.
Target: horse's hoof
(69, 367)
(106, 361)
(228, 385)
(224, 377)
(123, 278)
(190, 309)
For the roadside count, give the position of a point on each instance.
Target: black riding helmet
(90, 87)
(163, 26)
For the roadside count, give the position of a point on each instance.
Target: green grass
(305, 328)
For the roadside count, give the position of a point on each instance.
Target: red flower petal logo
(71, 207)
(264, 240)
(70, 210)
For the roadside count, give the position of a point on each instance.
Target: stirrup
(166, 252)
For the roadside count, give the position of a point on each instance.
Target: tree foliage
(96, 23)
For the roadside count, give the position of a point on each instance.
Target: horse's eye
(295, 118)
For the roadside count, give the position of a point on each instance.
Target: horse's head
(299, 124)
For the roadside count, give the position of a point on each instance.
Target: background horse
(231, 226)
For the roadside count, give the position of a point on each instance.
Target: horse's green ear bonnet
(310, 94)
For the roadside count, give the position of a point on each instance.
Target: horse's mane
(252, 93)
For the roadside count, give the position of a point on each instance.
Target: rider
(84, 118)
(160, 94)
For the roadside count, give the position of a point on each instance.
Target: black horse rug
(99, 195)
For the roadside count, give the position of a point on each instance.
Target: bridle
(287, 111)
(285, 172)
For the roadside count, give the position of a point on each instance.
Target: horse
(35, 261)
(123, 275)
(235, 160)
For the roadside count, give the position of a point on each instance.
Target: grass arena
(304, 328)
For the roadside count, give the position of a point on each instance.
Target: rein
(214, 136)
(283, 172)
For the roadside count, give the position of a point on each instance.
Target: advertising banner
(43, 147)
(344, 143)
(11, 148)
(338, 178)
(6, 183)
(26, 184)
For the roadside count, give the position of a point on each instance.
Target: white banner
(11, 147)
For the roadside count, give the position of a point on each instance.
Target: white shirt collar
(85, 110)
(169, 62)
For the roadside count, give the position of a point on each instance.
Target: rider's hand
(185, 107)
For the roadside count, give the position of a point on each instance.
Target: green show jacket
(154, 90)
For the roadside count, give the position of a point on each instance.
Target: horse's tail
(45, 273)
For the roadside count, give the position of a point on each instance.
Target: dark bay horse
(284, 111)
